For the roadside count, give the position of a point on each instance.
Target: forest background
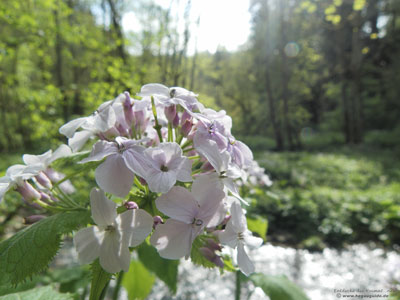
(315, 93)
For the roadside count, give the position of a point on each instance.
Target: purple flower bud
(185, 117)
(226, 219)
(45, 197)
(44, 180)
(186, 127)
(157, 220)
(28, 192)
(207, 167)
(33, 219)
(175, 122)
(213, 245)
(140, 119)
(123, 131)
(142, 181)
(128, 111)
(211, 256)
(170, 112)
(131, 205)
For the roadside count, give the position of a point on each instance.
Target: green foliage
(347, 196)
(278, 287)
(30, 250)
(138, 281)
(40, 293)
(100, 280)
(258, 225)
(165, 269)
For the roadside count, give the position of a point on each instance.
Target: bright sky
(222, 23)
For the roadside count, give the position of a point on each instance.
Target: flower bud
(45, 197)
(226, 219)
(131, 205)
(207, 167)
(128, 111)
(185, 117)
(28, 192)
(157, 220)
(186, 127)
(33, 219)
(175, 122)
(44, 180)
(211, 256)
(213, 245)
(170, 112)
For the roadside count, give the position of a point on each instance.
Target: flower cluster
(165, 152)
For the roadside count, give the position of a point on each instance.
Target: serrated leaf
(196, 256)
(259, 226)
(165, 269)
(138, 281)
(41, 293)
(30, 250)
(100, 279)
(278, 287)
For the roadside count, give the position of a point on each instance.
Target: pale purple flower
(226, 171)
(240, 153)
(101, 120)
(166, 166)
(16, 176)
(113, 234)
(190, 213)
(236, 235)
(124, 158)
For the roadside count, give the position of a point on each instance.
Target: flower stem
(238, 286)
(118, 285)
(170, 135)
(157, 126)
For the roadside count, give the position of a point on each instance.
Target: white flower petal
(103, 210)
(173, 239)
(238, 218)
(228, 236)
(178, 204)
(136, 161)
(4, 187)
(136, 225)
(62, 151)
(79, 139)
(153, 89)
(87, 242)
(69, 128)
(185, 171)
(100, 150)
(159, 181)
(252, 241)
(30, 159)
(114, 256)
(114, 177)
(231, 186)
(205, 181)
(244, 263)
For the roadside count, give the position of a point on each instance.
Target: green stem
(180, 138)
(157, 126)
(194, 157)
(170, 135)
(187, 150)
(187, 144)
(238, 286)
(118, 285)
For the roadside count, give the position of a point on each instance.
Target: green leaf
(278, 287)
(41, 293)
(30, 250)
(138, 281)
(100, 280)
(259, 226)
(165, 269)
